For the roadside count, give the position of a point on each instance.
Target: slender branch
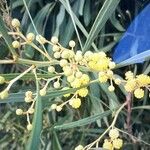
(18, 77)
(29, 62)
(111, 126)
(129, 113)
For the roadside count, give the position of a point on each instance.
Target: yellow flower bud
(79, 147)
(19, 112)
(15, 23)
(2, 80)
(112, 65)
(78, 74)
(4, 94)
(57, 55)
(110, 73)
(51, 69)
(56, 48)
(78, 57)
(67, 71)
(30, 37)
(43, 92)
(28, 99)
(54, 40)
(58, 108)
(15, 44)
(72, 43)
(28, 94)
(31, 110)
(111, 88)
(65, 54)
(56, 85)
(53, 106)
(29, 127)
(70, 78)
(63, 62)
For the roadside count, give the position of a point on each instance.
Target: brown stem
(128, 99)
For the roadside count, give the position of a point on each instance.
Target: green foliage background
(94, 25)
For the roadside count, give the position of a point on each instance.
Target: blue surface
(136, 39)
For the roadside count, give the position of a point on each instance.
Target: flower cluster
(71, 75)
(136, 84)
(114, 142)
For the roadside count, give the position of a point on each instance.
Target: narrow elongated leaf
(26, 76)
(34, 140)
(79, 24)
(59, 20)
(116, 23)
(6, 37)
(56, 144)
(84, 121)
(136, 59)
(107, 9)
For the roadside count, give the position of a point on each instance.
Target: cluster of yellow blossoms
(136, 84)
(114, 142)
(72, 64)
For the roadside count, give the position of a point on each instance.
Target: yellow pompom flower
(142, 80)
(83, 92)
(129, 75)
(95, 57)
(84, 79)
(107, 145)
(117, 143)
(76, 83)
(102, 77)
(75, 102)
(91, 65)
(102, 64)
(139, 93)
(113, 133)
(130, 85)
